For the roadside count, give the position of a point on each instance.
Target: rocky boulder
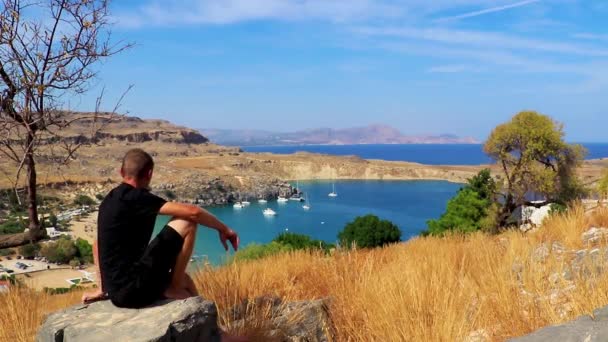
(193, 319)
(289, 321)
(586, 328)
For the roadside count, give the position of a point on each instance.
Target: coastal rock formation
(586, 328)
(192, 319)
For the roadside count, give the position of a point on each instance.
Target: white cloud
(488, 10)
(455, 68)
(483, 40)
(591, 36)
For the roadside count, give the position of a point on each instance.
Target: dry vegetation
(429, 289)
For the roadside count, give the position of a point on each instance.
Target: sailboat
(306, 206)
(297, 196)
(333, 192)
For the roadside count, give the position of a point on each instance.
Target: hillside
(475, 288)
(193, 168)
(373, 134)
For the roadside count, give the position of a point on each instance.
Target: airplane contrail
(488, 10)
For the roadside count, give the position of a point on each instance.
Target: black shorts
(153, 272)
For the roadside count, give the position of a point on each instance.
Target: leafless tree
(49, 51)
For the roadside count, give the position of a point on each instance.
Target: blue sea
(457, 154)
(409, 204)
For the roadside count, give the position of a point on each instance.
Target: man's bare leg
(182, 285)
(98, 293)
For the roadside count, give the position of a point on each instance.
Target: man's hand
(228, 234)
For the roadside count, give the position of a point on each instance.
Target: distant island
(372, 134)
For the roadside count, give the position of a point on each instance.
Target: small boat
(296, 198)
(269, 212)
(333, 193)
(245, 203)
(262, 201)
(282, 199)
(238, 205)
(306, 206)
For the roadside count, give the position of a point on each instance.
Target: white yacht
(238, 205)
(269, 212)
(262, 201)
(245, 203)
(333, 192)
(306, 207)
(282, 199)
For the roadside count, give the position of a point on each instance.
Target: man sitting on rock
(136, 272)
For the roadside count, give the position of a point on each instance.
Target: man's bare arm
(201, 216)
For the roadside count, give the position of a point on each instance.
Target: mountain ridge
(370, 134)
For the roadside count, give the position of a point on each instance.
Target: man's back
(125, 224)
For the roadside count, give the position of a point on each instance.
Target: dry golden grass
(429, 289)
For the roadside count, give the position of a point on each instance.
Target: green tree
(531, 151)
(369, 231)
(469, 210)
(30, 250)
(62, 250)
(85, 250)
(53, 220)
(74, 263)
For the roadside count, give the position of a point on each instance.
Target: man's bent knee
(182, 227)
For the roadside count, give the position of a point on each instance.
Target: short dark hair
(137, 163)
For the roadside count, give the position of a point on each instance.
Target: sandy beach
(85, 228)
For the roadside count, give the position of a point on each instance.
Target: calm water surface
(409, 204)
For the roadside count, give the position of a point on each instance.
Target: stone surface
(193, 319)
(595, 235)
(583, 329)
(291, 322)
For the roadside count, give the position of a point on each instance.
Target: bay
(409, 204)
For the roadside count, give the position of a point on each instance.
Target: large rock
(192, 319)
(583, 329)
(303, 321)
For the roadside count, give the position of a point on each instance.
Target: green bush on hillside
(300, 241)
(7, 252)
(30, 250)
(85, 251)
(65, 249)
(470, 209)
(256, 251)
(284, 242)
(84, 200)
(368, 232)
(13, 226)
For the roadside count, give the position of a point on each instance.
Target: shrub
(85, 251)
(257, 251)
(473, 208)
(53, 220)
(170, 194)
(30, 250)
(74, 263)
(13, 226)
(99, 197)
(369, 231)
(300, 241)
(62, 250)
(7, 252)
(84, 200)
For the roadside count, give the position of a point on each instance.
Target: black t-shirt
(124, 228)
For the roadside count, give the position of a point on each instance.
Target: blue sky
(440, 66)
